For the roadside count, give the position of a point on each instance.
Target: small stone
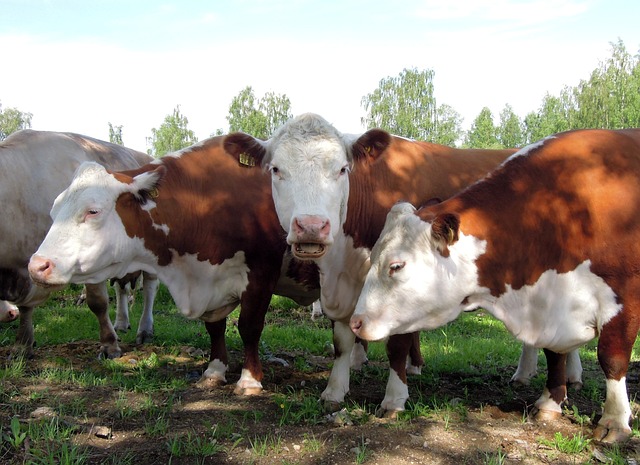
(43, 412)
(103, 432)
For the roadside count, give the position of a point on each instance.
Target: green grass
(470, 348)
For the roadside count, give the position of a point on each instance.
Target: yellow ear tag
(451, 235)
(153, 193)
(246, 159)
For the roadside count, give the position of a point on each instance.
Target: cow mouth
(308, 250)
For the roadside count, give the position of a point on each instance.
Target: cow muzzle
(309, 236)
(41, 270)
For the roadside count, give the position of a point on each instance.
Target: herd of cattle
(393, 236)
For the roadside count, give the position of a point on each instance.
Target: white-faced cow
(35, 166)
(332, 193)
(549, 243)
(205, 224)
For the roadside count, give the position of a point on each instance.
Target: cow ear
(145, 185)
(248, 150)
(370, 145)
(444, 231)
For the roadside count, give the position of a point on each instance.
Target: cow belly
(205, 291)
(559, 312)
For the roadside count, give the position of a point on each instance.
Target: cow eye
(345, 170)
(395, 266)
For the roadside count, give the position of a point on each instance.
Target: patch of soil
(471, 419)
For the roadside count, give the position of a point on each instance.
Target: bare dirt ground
(488, 426)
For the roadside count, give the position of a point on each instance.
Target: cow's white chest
(560, 311)
(206, 291)
(342, 274)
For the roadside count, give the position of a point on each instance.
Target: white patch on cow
(396, 393)
(338, 384)
(205, 291)
(342, 273)
(524, 151)
(216, 371)
(546, 403)
(561, 311)
(247, 381)
(616, 409)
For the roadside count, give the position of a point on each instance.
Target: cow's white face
(412, 285)
(310, 184)
(87, 242)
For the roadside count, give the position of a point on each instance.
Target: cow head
(309, 162)
(87, 242)
(421, 272)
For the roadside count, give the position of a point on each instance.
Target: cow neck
(516, 190)
(342, 273)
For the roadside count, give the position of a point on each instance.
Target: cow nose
(356, 324)
(312, 227)
(40, 268)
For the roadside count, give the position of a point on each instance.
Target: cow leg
(98, 302)
(574, 370)
(415, 360)
(150, 286)
(549, 405)
(338, 384)
(614, 351)
(122, 307)
(397, 392)
(25, 340)
(359, 354)
(214, 375)
(250, 326)
(527, 366)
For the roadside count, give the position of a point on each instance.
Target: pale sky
(77, 65)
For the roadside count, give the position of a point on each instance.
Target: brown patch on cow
(416, 172)
(577, 195)
(201, 185)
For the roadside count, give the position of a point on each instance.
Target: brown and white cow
(203, 223)
(549, 244)
(35, 166)
(332, 193)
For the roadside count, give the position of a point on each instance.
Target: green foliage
(611, 97)
(115, 134)
(172, 135)
(483, 133)
(573, 445)
(510, 132)
(258, 117)
(12, 120)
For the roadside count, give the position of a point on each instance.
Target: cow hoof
(247, 391)
(106, 354)
(388, 414)
(144, 337)
(331, 406)
(210, 383)
(544, 414)
(121, 328)
(610, 435)
(575, 385)
(20, 352)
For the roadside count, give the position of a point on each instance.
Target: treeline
(405, 105)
